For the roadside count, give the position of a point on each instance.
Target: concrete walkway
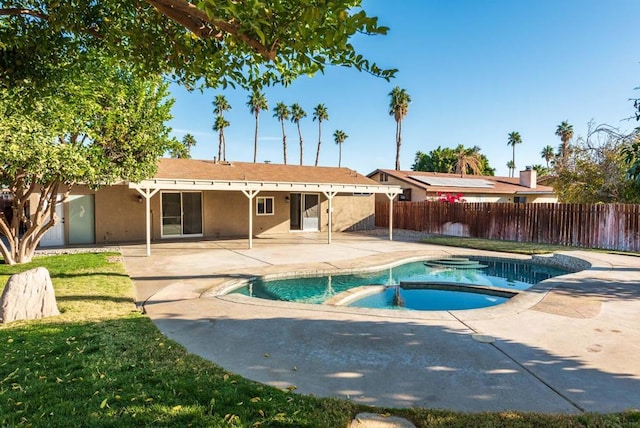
(570, 344)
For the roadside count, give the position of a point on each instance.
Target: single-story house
(190, 198)
(420, 186)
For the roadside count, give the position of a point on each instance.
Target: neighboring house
(191, 198)
(420, 186)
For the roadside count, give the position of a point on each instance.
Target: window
(264, 205)
(519, 199)
(384, 177)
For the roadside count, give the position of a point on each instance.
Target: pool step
(455, 263)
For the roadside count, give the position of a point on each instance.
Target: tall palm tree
(339, 137)
(547, 154)
(220, 105)
(512, 166)
(281, 112)
(188, 141)
(565, 132)
(514, 138)
(398, 108)
(298, 113)
(468, 159)
(219, 126)
(320, 113)
(257, 102)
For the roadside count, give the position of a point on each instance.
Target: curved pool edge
(519, 303)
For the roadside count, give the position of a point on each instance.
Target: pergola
(250, 189)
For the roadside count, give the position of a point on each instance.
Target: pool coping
(518, 303)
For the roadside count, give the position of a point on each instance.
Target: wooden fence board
(606, 226)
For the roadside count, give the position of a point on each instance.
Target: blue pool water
(429, 300)
(502, 273)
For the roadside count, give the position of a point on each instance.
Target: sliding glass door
(181, 214)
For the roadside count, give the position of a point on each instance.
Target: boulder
(28, 295)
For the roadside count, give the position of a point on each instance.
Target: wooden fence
(606, 226)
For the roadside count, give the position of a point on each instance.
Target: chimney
(528, 178)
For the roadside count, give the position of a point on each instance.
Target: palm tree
(257, 102)
(398, 108)
(565, 132)
(219, 126)
(547, 154)
(514, 138)
(320, 114)
(512, 166)
(188, 141)
(298, 113)
(339, 137)
(281, 112)
(468, 159)
(220, 105)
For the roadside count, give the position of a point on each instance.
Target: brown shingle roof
(502, 185)
(193, 169)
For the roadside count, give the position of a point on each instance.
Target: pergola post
(147, 194)
(250, 194)
(391, 196)
(330, 194)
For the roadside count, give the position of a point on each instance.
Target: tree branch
(40, 15)
(199, 23)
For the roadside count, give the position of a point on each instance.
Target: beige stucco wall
(349, 212)
(541, 199)
(119, 217)
(418, 194)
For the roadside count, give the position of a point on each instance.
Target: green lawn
(102, 363)
(494, 245)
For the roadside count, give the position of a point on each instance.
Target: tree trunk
(300, 135)
(339, 155)
(255, 141)
(219, 145)
(398, 143)
(319, 141)
(22, 246)
(284, 142)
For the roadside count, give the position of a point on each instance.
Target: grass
(528, 248)
(102, 363)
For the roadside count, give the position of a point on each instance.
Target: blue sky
(476, 70)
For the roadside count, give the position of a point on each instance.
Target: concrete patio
(571, 344)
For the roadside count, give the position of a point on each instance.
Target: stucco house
(190, 198)
(420, 186)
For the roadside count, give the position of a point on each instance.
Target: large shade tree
(631, 152)
(215, 43)
(320, 114)
(92, 125)
(201, 43)
(398, 108)
(257, 102)
(444, 160)
(596, 169)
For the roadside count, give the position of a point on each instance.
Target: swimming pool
(494, 274)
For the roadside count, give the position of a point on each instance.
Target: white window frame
(264, 204)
